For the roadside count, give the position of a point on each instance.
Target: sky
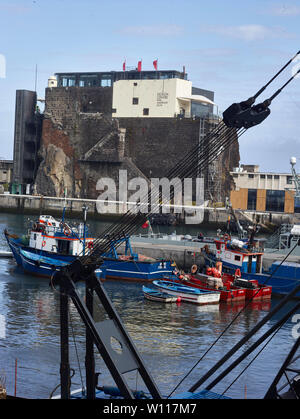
(230, 47)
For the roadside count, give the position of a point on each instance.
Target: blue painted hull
(38, 265)
(136, 270)
(112, 268)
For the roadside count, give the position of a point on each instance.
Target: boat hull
(155, 295)
(130, 270)
(226, 296)
(188, 294)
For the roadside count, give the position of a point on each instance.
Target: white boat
(188, 294)
(156, 295)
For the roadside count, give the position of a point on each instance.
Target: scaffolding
(213, 173)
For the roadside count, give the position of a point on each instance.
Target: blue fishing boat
(58, 241)
(188, 294)
(246, 262)
(43, 266)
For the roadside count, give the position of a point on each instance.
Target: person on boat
(200, 236)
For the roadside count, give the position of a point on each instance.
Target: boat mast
(85, 209)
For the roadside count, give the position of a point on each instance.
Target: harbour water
(171, 338)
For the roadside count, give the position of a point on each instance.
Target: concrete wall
(26, 138)
(261, 180)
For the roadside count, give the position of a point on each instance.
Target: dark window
(63, 246)
(135, 101)
(114, 110)
(251, 176)
(275, 201)
(252, 197)
(88, 80)
(237, 258)
(276, 177)
(297, 205)
(146, 111)
(106, 82)
(135, 84)
(262, 176)
(269, 176)
(289, 180)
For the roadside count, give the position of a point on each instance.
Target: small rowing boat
(188, 294)
(156, 295)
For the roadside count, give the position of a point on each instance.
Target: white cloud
(251, 32)
(153, 30)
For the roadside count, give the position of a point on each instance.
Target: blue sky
(229, 47)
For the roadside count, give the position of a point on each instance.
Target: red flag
(124, 65)
(155, 64)
(146, 224)
(139, 67)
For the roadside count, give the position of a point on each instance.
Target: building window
(106, 82)
(275, 201)
(276, 177)
(252, 198)
(71, 82)
(114, 110)
(289, 180)
(146, 111)
(269, 176)
(135, 100)
(88, 80)
(251, 176)
(237, 258)
(263, 176)
(297, 205)
(135, 84)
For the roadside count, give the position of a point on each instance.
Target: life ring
(194, 269)
(238, 273)
(67, 231)
(43, 243)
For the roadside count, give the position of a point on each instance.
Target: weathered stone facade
(82, 143)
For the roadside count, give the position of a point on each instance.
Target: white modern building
(161, 98)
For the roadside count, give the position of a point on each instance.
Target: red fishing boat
(254, 290)
(211, 281)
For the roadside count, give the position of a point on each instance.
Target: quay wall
(213, 217)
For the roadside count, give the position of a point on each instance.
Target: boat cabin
(235, 254)
(49, 235)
